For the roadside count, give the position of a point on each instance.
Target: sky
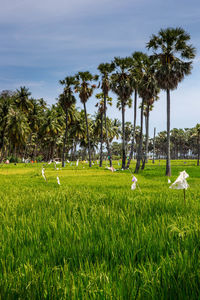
(45, 41)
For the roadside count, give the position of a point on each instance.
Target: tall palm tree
(85, 89)
(101, 97)
(122, 85)
(139, 149)
(66, 100)
(148, 91)
(105, 69)
(136, 72)
(148, 106)
(172, 69)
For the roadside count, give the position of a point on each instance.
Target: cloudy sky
(45, 41)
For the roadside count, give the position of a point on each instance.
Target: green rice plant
(92, 237)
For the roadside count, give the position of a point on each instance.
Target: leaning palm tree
(85, 89)
(105, 69)
(66, 101)
(172, 69)
(122, 85)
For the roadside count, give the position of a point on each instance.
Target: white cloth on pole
(134, 180)
(180, 183)
(43, 174)
(58, 180)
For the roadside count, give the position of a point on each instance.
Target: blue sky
(45, 41)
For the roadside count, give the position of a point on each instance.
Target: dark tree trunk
(134, 125)
(147, 140)
(154, 136)
(168, 162)
(35, 151)
(123, 137)
(107, 141)
(53, 146)
(2, 151)
(65, 138)
(101, 146)
(139, 152)
(198, 149)
(88, 136)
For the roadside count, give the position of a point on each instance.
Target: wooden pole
(184, 196)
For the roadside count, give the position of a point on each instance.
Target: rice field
(93, 237)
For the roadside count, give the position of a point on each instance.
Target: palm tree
(136, 72)
(122, 85)
(22, 100)
(85, 89)
(66, 100)
(168, 43)
(50, 130)
(102, 99)
(17, 129)
(128, 134)
(6, 101)
(148, 106)
(34, 117)
(105, 69)
(148, 91)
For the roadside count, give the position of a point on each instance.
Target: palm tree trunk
(107, 141)
(2, 150)
(198, 149)
(101, 146)
(147, 139)
(154, 136)
(123, 137)
(65, 138)
(168, 162)
(53, 146)
(139, 152)
(88, 136)
(134, 125)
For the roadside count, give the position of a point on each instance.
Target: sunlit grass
(95, 238)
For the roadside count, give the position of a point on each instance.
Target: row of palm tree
(144, 75)
(169, 62)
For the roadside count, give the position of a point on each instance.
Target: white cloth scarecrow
(134, 181)
(180, 183)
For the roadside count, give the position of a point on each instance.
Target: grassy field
(92, 237)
